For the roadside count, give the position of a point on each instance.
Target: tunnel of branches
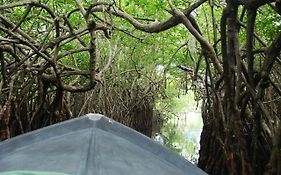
(43, 80)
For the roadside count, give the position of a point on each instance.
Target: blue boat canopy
(89, 145)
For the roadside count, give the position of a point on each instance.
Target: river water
(181, 133)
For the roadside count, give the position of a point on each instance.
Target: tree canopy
(63, 58)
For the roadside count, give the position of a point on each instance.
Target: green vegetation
(132, 59)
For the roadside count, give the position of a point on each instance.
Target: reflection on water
(181, 134)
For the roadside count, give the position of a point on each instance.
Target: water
(181, 134)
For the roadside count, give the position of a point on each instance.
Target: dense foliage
(64, 58)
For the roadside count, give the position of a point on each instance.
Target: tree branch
(198, 36)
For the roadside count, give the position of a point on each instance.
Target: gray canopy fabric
(90, 145)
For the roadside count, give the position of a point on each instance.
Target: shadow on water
(181, 133)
